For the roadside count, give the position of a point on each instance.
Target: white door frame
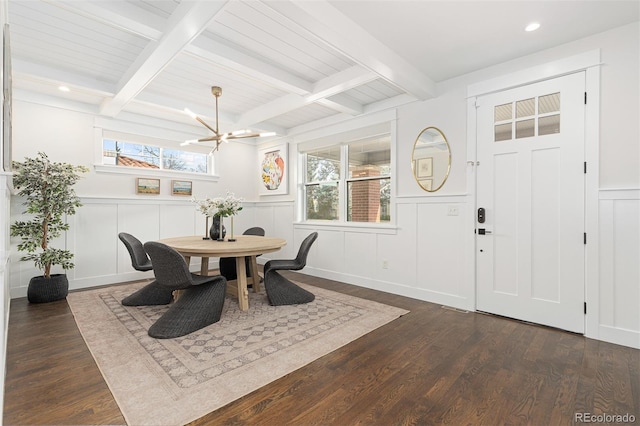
(590, 63)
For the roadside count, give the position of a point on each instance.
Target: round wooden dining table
(244, 246)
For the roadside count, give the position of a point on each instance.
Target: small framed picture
(147, 186)
(427, 184)
(424, 167)
(181, 187)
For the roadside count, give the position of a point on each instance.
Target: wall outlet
(452, 211)
(385, 264)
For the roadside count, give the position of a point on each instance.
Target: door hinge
(585, 167)
(585, 307)
(585, 238)
(585, 98)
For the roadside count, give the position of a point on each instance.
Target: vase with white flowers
(219, 208)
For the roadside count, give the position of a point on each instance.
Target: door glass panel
(503, 132)
(525, 129)
(549, 125)
(526, 108)
(503, 112)
(549, 103)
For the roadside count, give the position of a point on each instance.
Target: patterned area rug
(175, 381)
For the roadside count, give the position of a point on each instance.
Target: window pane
(370, 158)
(323, 165)
(130, 154)
(174, 159)
(322, 201)
(369, 200)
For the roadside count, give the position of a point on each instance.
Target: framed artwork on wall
(181, 187)
(273, 166)
(424, 167)
(147, 186)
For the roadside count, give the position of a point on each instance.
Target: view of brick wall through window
(365, 195)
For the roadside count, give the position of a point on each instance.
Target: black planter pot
(214, 232)
(43, 290)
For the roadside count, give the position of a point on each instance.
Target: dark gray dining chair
(201, 297)
(152, 293)
(228, 264)
(281, 291)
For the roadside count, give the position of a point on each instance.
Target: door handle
(482, 231)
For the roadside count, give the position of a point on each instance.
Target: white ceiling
(284, 66)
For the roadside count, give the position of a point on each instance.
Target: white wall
(426, 253)
(111, 204)
(5, 193)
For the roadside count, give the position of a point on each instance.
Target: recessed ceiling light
(63, 88)
(532, 26)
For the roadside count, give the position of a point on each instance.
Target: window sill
(373, 228)
(134, 171)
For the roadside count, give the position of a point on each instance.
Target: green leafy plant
(47, 188)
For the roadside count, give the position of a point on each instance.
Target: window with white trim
(349, 182)
(131, 154)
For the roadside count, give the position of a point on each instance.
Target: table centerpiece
(219, 208)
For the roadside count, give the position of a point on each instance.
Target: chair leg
(281, 291)
(151, 294)
(198, 307)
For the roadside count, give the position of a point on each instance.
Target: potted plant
(47, 188)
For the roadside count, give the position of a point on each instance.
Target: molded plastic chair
(281, 291)
(139, 259)
(201, 299)
(151, 294)
(228, 264)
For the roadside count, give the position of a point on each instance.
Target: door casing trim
(589, 62)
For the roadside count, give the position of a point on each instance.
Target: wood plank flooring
(432, 366)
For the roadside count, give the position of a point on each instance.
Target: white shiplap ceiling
(284, 66)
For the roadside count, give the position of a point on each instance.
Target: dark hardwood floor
(431, 366)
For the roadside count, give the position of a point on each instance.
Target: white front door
(530, 184)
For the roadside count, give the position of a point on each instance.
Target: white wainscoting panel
(424, 257)
(441, 261)
(5, 295)
(99, 256)
(399, 250)
(329, 251)
(619, 292)
(276, 219)
(356, 243)
(177, 220)
(93, 236)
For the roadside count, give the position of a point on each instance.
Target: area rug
(175, 381)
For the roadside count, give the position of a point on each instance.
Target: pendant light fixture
(218, 137)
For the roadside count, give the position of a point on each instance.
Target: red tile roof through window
(123, 160)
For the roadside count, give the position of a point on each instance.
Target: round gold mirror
(431, 159)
